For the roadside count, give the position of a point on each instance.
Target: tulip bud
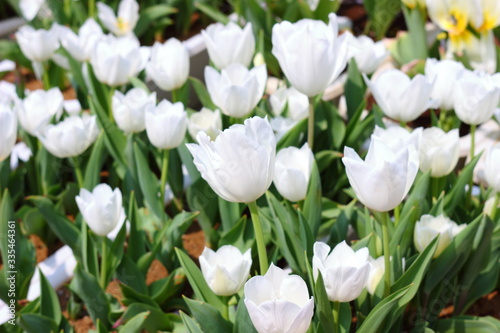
(475, 98)
(229, 44)
(8, 131)
(225, 270)
(397, 137)
(37, 45)
(377, 270)
(30, 8)
(124, 24)
(239, 164)
(491, 167)
(38, 108)
(400, 97)
(442, 73)
(102, 209)
(70, 137)
(169, 64)
(371, 55)
(488, 206)
(129, 110)
(429, 227)
(80, 46)
(292, 172)
(310, 53)
(20, 152)
(381, 181)
(166, 124)
(439, 151)
(115, 60)
(236, 90)
(278, 302)
(207, 121)
(344, 271)
(296, 102)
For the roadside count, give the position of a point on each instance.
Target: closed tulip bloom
(397, 137)
(439, 151)
(37, 45)
(236, 90)
(20, 152)
(384, 178)
(169, 64)
(492, 167)
(229, 44)
(70, 137)
(207, 121)
(239, 164)
(377, 271)
(400, 97)
(371, 54)
(278, 302)
(344, 271)
(129, 110)
(102, 208)
(80, 46)
(429, 227)
(8, 130)
(292, 172)
(226, 270)
(115, 60)
(475, 98)
(296, 103)
(166, 124)
(310, 53)
(443, 73)
(124, 24)
(30, 8)
(38, 108)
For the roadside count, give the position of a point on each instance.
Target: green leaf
(173, 284)
(242, 322)
(312, 203)
(323, 308)
(151, 14)
(93, 170)
(200, 197)
(209, 317)
(294, 137)
(190, 324)
(230, 213)
(157, 320)
(212, 12)
(457, 193)
(129, 273)
(6, 215)
(36, 323)
(467, 324)
(49, 306)
(355, 88)
(381, 13)
(132, 296)
(202, 93)
(135, 324)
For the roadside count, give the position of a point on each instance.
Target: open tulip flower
(8, 130)
(442, 73)
(371, 54)
(439, 151)
(129, 109)
(38, 109)
(124, 24)
(278, 302)
(428, 227)
(207, 121)
(80, 46)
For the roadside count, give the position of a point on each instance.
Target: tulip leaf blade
(457, 193)
(136, 323)
(157, 319)
(35, 323)
(242, 322)
(150, 15)
(49, 302)
(197, 281)
(294, 136)
(94, 165)
(165, 288)
(230, 213)
(212, 12)
(202, 93)
(467, 324)
(323, 310)
(312, 203)
(355, 88)
(190, 324)
(136, 238)
(208, 316)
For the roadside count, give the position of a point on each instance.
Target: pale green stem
(387, 254)
(164, 171)
(91, 8)
(225, 307)
(402, 124)
(259, 236)
(495, 207)
(45, 78)
(310, 123)
(471, 153)
(175, 95)
(78, 171)
(397, 213)
(336, 317)
(104, 263)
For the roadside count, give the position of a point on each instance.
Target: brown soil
(156, 272)
(41, 250)
(194, 243)
(488, 305)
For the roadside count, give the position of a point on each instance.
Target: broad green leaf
(36, 323)
(129, 273)
(202, 93)
(93, 170)
(294, 136)
(467, 324)
(457, 193)
(136, 323)
(242, 322)
(173, 284)
(151, 14)
(323, 308)
(157, 319)
(209, 317)
(355, 88)
(190, 324)
(230, 213)
(136, 237)
(212, 12)
(132, 296)
(49, 306)
(312, 203)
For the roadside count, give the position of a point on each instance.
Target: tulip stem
(78, 172)
(310, 124)
(259, 236)
(175, 95)
(397, 213)
(495, 206)
(91, 8)
(104, 262)
(336, 317)
(225, 307)
(471, 153)
(164, 171)
(45, 78)
(387, 254)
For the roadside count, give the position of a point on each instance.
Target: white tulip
(169, 64)
(239, 164)
(115, 60)
(292, 172)
(397, 137)
(80, 46)
(278, 302)
(236, 90)
(8, 130)
(102, 209)
(166, 124)
(30, 8)
(344, 271)
(207, 121)
(37, 45)
(229, 44)
(377, 271)
(124, 24)
(476, 97)
(439, 151)
(38, 108)
(400, 97)
(429, 227)
(226, 270)
(442, 73)
(385, 177)
(296, 102)
(488, 206)
(481, 52)
(8, 94)
(281, 126)
(129, 110)
(70, 137)
(371, 55)
(20, 152)
(310, 53)
(492, 167)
